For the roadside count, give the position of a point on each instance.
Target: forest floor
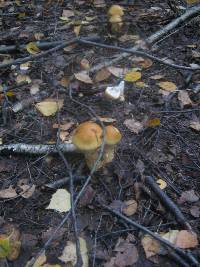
(158, 117)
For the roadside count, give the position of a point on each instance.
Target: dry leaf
(77, 30)
(195, 125)
(161, 183)
(195, 211)
(168, 86)
(21, 78)
(64, 82)
(27, 190)
(85, 64)
(8, 193)
(49, 107)
(130, 207)
(25, 66)
(32, 48)
(117, 72)
(133, 125)
(69, 253)
(109, 120)
(67, 13)
(132, 76)
(99, 3)
(188, 196)
(156, 77)
(150, 245)
(186, 239)
(153, 122)
(60, 201)
(63, 135)
(170, 236)
(184, 99)
(83, 77)
(64, 127)
(145, 63)
(141, 84)
(102, 75)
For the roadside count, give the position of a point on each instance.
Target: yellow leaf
(4, 246)
(162, 184)
(153, 122)
(168, 86)
(77, 30)
(141, 84)
(49, 106)
(32, 48)
(60, 201)
(10, 93)
(132, 76)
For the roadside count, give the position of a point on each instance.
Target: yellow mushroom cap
(113, 135)
(87, 136)
(115, 19)
(115, 10)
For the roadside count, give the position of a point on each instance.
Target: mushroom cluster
(115, 14)
(88, 138)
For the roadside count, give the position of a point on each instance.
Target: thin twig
(155, 236)
(140, 53)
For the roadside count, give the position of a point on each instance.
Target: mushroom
(88, 138)
(115, 14)
(115, 10)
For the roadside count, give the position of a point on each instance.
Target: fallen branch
(163, 241)
(139, 53)
(37, 149)
(167, 202)
(190, 13)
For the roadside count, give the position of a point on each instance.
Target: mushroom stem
(38, 149)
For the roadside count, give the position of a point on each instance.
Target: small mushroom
(115, 14)
(115, 10)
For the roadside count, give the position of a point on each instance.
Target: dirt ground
(169, 151)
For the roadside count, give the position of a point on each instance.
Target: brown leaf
(102, 75)
(27, 190)
(87, 197)
(188, 196)
(130, 207)
(195, 211)
(184, 99)
(67, 13)
(195, 125)
(150, 245)
(168, 86)
(85, 64)
(186, 239)
(64, 127)
(8, 193)
(133, 125)
(83, 77)
(128, 257)
(118, 72)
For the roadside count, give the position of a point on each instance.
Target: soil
(169, 151)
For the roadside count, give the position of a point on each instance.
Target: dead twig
(36, 149)
(140, 53)
(167, 202)
(167, 244)
(190, 13)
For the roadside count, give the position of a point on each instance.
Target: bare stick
(167, 202)
(37, 149)
(155, 236)
(140, 53)
(190, 13)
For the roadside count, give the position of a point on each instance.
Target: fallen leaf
(153, 122)
(145, 63)
(4, 246)
(195, 125)
(77, 30)
(87, 196)
(156, 77)
(64, 82)
(34, 89)
(132, 76)
(117, 72)
(67, 13)
(83, 77)
(85, 64)
(109, 120)
(168, 86)
(102, 75)
(186, 239)
(130, 207)
(188, 196)
(63, 135)
(161, 183)
(99, 3)
(32, 48)
(141, 84)
(38, 36)
(150, 245)
(128, 257)
(27, 190)
(184, 99)
(64, 127)
(21, 78)
(49, 107)
(195, 211)
(60, 201)
(69, 253)
(25, 66)
(133, 125)
(8, 193)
